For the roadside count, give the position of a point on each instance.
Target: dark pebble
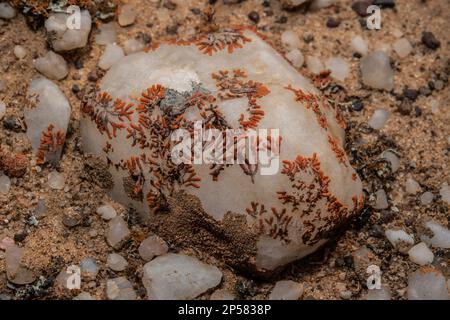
(11, 123)
(92, 76)
(376, 231)
(429, 40)
(333, 23)
(360, 7)
(282, 19)
(308, 38)
(172, 30)
(78, 64)
(196, 11)
(75, 88)
(145, 37)
(418, 112)
(357, 105)
(386, 216)
(384, 3)
(170, 5)
(212, 1)
(266, 3)
(411, 94)
(254, 16)
(348, 261)
(425, 91)
(405, 108)
(19, 237)
(70, 221)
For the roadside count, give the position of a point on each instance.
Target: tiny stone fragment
(116, 262)
(286, 290)
(117, 232)
(400, 240)
(379, 119)
(127, 15)
(107, 212)
(151, 247)
(56, 180)
(376, 71)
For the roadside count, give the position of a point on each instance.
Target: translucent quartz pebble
(178, 277)
(359, 45)
(314, 65)
(47, 118)
(117, 232)
(6, 11)
(107, 35)
(427, 284)
(290, 40)
(412, 186)
(112, 54)
(393, 159)
(107, 212)
(376, 71)
(426, 198)
(400, 240)
(20, 52)
(88, 267)
(64, 38)
(338, 67)
(435, 235)
(296, 57)
(421, 254)
(379, 119)
(5, 184)
(145, 97)
(286, 290)
(116, 262)
(381, 201)
(120, 289)
(52, 65)
(56, 180)
(402, 47)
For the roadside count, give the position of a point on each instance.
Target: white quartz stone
(151, 247)
(111, 55)
(52, 65)
(5, 184)
(290, 40)
(107, 35)
(49, 107)
(359, 45)
(89, 267)
(436, 235)
(116, 262)
(6, 11)
(393, 160)
(286, 290)
(186, 71)
(20, 52)
(338, 67)
(412, 186)
(314, 64)
(56, 180)
(178, 277)
(400, 240)
(376, 71)
(379, 119)
(427, 284)
(107, 212)
(127, 15)
(402, 47)
(296, 57)
(63, 38)
(117, 232)
(421, 254)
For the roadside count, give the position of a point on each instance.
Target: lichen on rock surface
(226, 79)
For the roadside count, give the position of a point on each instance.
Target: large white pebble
(421, 254)
(427, 284)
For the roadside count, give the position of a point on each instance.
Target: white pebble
(359, 45)
(314, 64)
(376, 71)
(381, 201)
(440, 238)
(127, 15)
(421, 254)
(112, 54)
(290, 40)
(2, 109)
(434, 104)
(296, 57)
(132, 45)
(52, 65)
(400, 240)
(88, 268)
(120, 289)
(286, 290)
(338, 67)
(427, 284)
(107, 34)
(402, 47)
(393, 160)
(116, 262)
(445, 193)
(56, 180)
(20, 52)
(6, 11)
(426, 198)
(107, 212)
(117, 232)
(379, 119)
(5, 184)
(412, 186)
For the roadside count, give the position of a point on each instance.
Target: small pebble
(296, 58)
(445, 193)
(376, 71)
(427, 284)
(2, 109)
(151, 247)
(56, 180)
(88, 268)
(107, 35)
(360, 7)
(116, 262)
(426, 198)
(127, 15)
(338, 67)
(359, 45)
(333, 23)
(117, 232)
(107, 212)
(290, 40)
(393, 160)
(435, 235)
(421, 254)
(412, 186)
(381, 200)
(379, 119)
(314, 65)
(286, 290)
(402, 47)
(430, 41)
(110, 56)
(6, 11)
(120, 289)
(357, 105)
(52, 65)
(254, 16)
(20, 52)
(400, 240)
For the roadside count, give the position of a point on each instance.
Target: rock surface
(120, 289)
(436, 235)
(112, 54)
(427, 284)
(178, 277)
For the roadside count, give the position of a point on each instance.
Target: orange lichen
(13, 165)
(338, 151)
(51, 144)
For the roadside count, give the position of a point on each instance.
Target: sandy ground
(420, 140)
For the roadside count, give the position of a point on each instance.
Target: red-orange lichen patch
(13, 165)
(51, 143)
(338, 151)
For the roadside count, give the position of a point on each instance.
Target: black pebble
(360, 7)
(196, 11)
(333, 23)
(405, 108)
(384, 3)
(357, 105)
(411, 94)
(429, 40)
(92, 76)
(254, 16)
(418, 112)
(282, 19)
(78, 64)
(212, 1)
(19, 237)
(75, 88)
(11, 123)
